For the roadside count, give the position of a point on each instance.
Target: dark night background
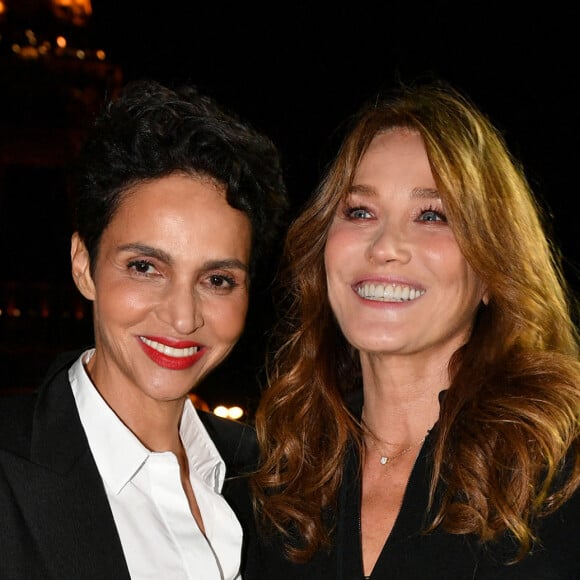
(296, 71)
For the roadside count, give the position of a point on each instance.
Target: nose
(389, 243)
(182, 309)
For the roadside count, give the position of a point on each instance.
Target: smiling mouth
(174, 358)
(388, 292)
(170, 350)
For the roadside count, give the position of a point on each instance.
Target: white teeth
(389, 293)
(169, 350)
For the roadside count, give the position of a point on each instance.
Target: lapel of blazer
(61, 493)
(235, 441)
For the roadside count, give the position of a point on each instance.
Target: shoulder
(17, 410)
(553, 555)
(62, 363)
(236, 441)
(16, 414)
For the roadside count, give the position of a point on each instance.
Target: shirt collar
(119, 454)
(202, 454)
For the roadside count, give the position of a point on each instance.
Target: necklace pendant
(384, 459)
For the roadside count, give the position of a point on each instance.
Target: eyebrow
(145, 250)
(416, 192)
(232, 264)
(425, 193)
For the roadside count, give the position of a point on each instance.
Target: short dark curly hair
(152, 131)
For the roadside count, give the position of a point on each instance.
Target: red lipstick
(153, 347)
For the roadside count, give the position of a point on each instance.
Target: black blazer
(55, 519)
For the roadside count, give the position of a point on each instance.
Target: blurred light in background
(234, 412)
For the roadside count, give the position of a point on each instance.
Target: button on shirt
(159, 535)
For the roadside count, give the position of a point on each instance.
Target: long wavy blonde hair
(507, 446)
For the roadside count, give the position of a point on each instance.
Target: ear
(81, 267)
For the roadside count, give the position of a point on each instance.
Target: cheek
(439, 246)
(228, 319)
(445, 257)
(122, 301)
(340, 246)
(330, 268)
(454, 269)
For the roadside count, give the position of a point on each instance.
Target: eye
(431, 215)
(142, 267)
(357, 213)
(222, 281)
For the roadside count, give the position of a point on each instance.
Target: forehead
(194, 183)
(395, 158)
(178, 210)
(397, 144)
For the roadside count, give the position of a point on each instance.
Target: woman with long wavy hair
(422, 413)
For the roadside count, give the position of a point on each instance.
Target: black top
(409, 554)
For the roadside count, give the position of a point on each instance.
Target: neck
(399, 420)
(403, 437)
(389, 451)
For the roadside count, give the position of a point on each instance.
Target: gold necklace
(385, 459)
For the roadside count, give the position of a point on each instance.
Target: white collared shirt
(160, 537)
